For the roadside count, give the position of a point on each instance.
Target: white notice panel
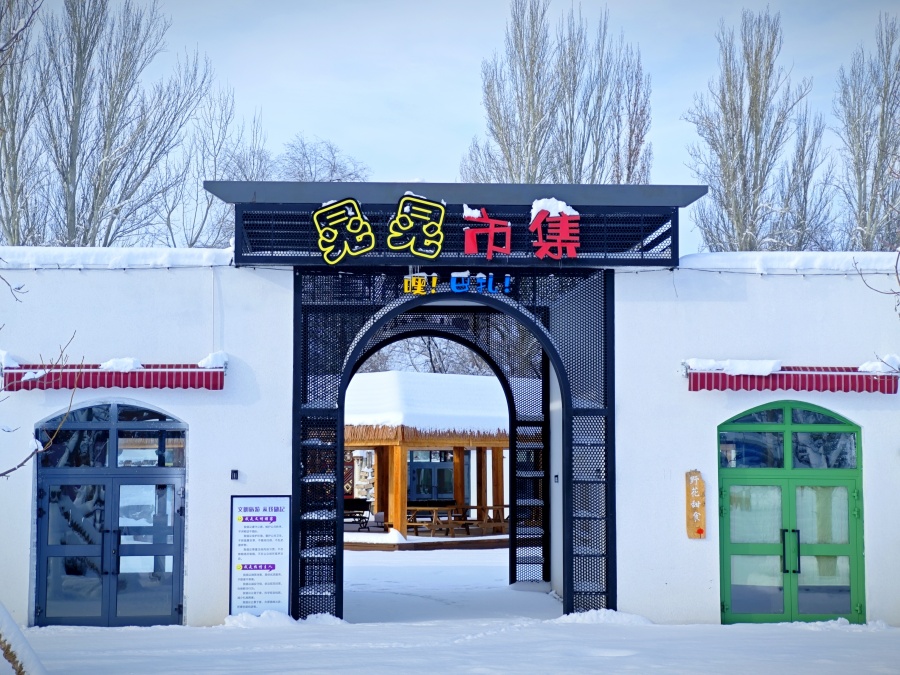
(260, 571)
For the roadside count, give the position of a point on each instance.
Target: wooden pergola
(392, 445)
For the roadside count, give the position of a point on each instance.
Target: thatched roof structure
(425, 410)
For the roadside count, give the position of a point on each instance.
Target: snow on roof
(58, 257)
(427, 401)
(802, 262)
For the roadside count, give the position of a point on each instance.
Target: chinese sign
(419, 227)
(695, 505)
(460, 282)
(260, 537)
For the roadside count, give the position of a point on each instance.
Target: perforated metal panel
(339, 314)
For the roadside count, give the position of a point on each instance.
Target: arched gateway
(522, 273)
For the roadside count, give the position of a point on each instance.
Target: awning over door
(796, 378)
(91, 376)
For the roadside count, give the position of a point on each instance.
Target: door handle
(784, 569)
(797, 532)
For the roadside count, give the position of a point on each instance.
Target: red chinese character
(494, 227)
(562, 235)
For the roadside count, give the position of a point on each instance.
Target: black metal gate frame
(566, 305)
(588, 517)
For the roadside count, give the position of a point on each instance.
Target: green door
(790, 516)
(790, 550)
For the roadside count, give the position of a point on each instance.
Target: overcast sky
(397, 83)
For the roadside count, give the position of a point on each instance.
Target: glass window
(818, 450)
(770, 416)
(82, 438)
(751, 449)
(81, 448)
(801, 416)
(131, 413)
(151, 449)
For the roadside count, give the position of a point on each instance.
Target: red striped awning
(797, 378)
(90, 376)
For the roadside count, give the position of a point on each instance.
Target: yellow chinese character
(417, 227)
(418, 284)
(342, 230)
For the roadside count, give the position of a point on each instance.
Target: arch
(341, 317)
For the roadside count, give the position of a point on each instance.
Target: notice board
(260, 564)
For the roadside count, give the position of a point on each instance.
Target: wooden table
(451, 518)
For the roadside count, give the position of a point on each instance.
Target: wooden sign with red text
(695, 505)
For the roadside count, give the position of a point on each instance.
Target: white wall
(662, 430)
(159, 316)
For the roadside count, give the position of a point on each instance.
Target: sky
(453, 612)
(396, 84)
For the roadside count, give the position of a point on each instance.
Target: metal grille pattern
(334, 310)
(285, 234)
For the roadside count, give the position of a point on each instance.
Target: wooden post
(459, 478)
(382, 479)
(399, 480)
(497, 476)
(481, 480)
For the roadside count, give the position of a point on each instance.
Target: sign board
(260, 563)
(695, 505)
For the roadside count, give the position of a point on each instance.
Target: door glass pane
(74, 587)
(151, 449)
(74, 449)
(823, 514)
(76, 514)
(814, 450)
(751, 450)
(755, 514)
(824, 584)
(445, 483)
(757, 585)
(146, 514)
(424, 483)
(144, 586)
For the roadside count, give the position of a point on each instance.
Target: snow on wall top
(427, 401)
(802, 262)
(58, 257)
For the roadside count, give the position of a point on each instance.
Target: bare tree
(20, 170)
(317, 160)
(867, 107)
(568, 109)
(107, 136)
(427, 354)
(745, 122)
(805, 219)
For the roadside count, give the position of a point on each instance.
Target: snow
(887, 364)
(12, 635)
(214, 360)
(554, 206)
(122, 365)
(7, 361)
(735, 366)
(52, 257)
(470, 213)
(29, 375)
(804, 262)
(453, 611)
(420, 400)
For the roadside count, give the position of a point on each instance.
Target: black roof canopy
(347, 225)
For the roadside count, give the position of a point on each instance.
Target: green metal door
(790, 508)
(790, 550)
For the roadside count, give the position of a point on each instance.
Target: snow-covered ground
(451, 611)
